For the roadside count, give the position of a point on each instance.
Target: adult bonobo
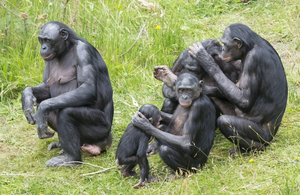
(188, 138)
(260, 94)
(75, 97)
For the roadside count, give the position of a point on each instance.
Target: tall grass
(133, 37)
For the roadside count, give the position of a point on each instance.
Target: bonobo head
(152, 113)
(54, 38)
(213, 48)
(238, 39)
(185, 60)
(188, 88)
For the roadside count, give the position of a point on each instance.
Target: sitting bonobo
(133, 146)
(187, 140)
(75, 97)
(260, 93)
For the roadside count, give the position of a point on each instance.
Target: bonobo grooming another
(260, 94)
(133, 146)
(75, 97)
(186, 63)
(187, 140)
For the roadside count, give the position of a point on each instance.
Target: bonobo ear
(64, 34)
(150, 120)
(238, 41)
(201, 83)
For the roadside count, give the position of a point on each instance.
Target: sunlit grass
(133, 37)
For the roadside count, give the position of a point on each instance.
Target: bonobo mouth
(185, 104)
(47, 57)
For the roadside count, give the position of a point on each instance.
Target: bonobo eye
(47, 40)
(180, 90)
(189, 90)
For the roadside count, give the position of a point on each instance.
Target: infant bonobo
(133, 146)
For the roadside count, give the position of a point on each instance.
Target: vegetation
(133, 36)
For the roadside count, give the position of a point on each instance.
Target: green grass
(113, 27)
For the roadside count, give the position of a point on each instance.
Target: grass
(113, 27)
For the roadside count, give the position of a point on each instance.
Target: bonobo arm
(182, 143)
(212, 91)
(84, 95)
(30, 97)
(166, 117)
(241, 96)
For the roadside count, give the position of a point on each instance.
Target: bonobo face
(232, 48)
(52, 39)
(188, 88)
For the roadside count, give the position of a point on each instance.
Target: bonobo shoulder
(83, 52)
(203, 102)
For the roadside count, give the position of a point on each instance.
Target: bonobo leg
(76, 126)
(144, 170)
(178, 161)
(164, 74)
(246, 134)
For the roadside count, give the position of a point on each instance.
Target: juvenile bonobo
(75, 97)
(187, 140)
(133, 145)
(260, 94)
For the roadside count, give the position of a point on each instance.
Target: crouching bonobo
(187, 140)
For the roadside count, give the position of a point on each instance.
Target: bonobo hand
(28, 101)
(140, 121)
(41, 122)
(198, 52)
(152, 148)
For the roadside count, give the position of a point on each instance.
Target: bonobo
(133, 146)
(75, 97)
(186, 63)
(260, 94)
(187, 140)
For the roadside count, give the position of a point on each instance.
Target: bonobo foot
(46, 134)
(128, 173)
(164, 74)
(141, 183)
(91, 149)
(236, 151)
(65, 161)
